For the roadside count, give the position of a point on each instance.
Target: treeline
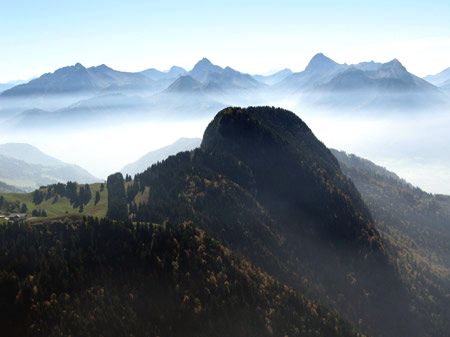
(78, 195)
(122, 193)
(18, 207)
(104, 278)
(12, 207)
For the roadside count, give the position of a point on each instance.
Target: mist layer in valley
(102, 119)
(415, 146)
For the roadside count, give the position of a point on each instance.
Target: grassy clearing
(61, 207)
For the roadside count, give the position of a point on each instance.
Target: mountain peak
(234, 123)
(184, 83)
(395, 63)
(203, 68)
(320, 62)
(102, 67)
(28, 153)
(204, 60)
(393, 68)
(79, 66)
(205, 64)
(176, 69)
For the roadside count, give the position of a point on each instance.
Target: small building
(16, 217)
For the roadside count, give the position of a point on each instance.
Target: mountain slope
(78, 79)
(204, 69)
(26, 167)
(140, 165)
(9, 85)
(423, 217)
(387, 86)
(215, 78)
(29, 154)
(366, 86)
(388, 76)
(5, 188)
(185, 84)
(274, 78)
(121, 279)
(441, 79)
(319, 70)
(101, 108)
(266, 187)
(156, 75)
(416, 225)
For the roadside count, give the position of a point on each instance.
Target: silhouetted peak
(79, 66)
(395, 64)
(103, 67)
(320, 62)
(177, 69)
(235, 122)
(205, 64)
(184, 83)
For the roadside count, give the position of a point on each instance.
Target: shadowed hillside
(416, 226)
(265, 186)
(102, 278)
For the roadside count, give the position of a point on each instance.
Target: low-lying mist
(105, 149)
(415, 146)
(102, 139)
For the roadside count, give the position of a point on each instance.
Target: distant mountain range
(182, 144)
(273, 78)
(363, 86)
(157, 75)
(25, 167)
(78, 79)
(5, 188)
(9, 85)
(441, 79)
(80, 94)
(206, 77)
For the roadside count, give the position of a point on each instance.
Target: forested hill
(99, 278)
(266, 187)
(402, 209)
(416, 225)
(255, 227)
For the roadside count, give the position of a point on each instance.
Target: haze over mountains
(366, 86)
(100, 99)
(441, 80)
(25, 167)
(78, 79)
(363, 87)
(152, 157)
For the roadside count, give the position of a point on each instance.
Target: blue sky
(38, 36)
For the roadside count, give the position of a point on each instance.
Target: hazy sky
(38, 36)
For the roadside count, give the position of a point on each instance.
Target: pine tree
(97, 197)
(117, 201)
(24, 208)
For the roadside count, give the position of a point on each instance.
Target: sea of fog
(415, 146)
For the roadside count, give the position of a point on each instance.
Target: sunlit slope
(58, 207)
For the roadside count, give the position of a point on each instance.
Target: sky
(38, 36)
